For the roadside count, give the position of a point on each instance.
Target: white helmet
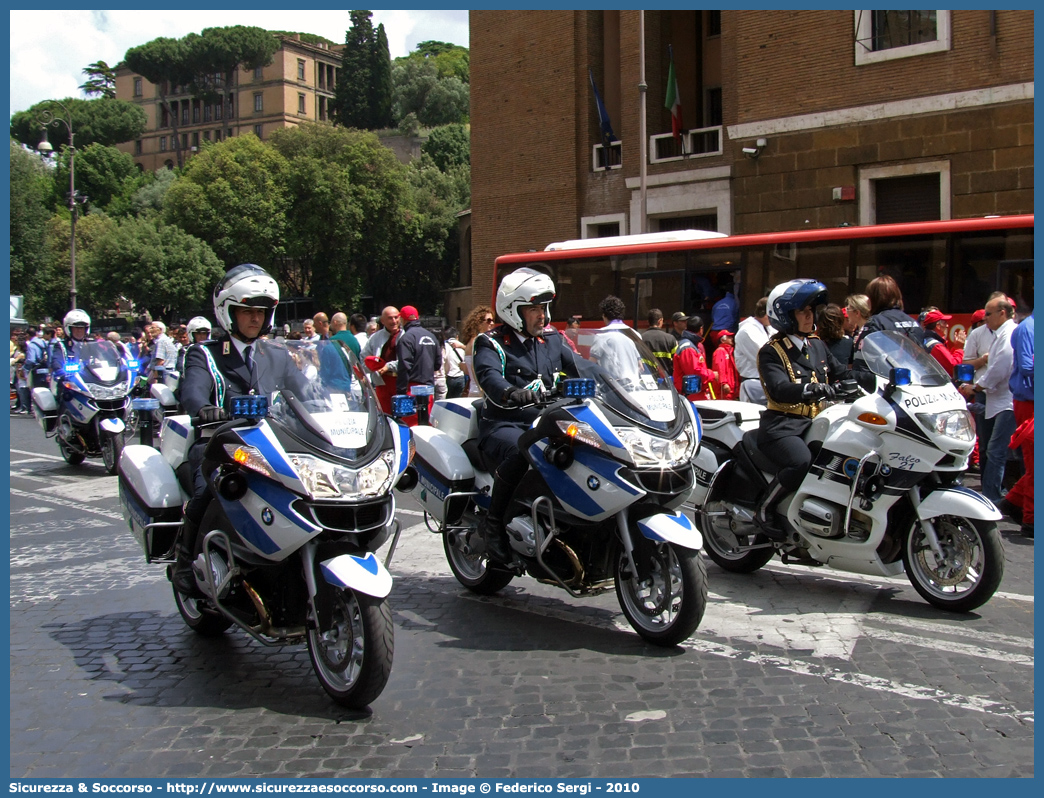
(197, 324)
(523, 287)
(76, 318)
(246, 286)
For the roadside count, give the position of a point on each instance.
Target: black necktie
(248, 359)
(804, 349)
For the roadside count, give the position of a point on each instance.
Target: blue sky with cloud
(49, 48)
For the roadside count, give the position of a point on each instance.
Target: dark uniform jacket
(502, 362)
(784, 372)
(273, 370)
(420, 356)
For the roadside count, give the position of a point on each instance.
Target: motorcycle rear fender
(962, 502)
(673, 528)
(151, 477)
(113, 425)
(363, 574)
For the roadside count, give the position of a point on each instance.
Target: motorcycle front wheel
(70, 456)
(111, 448)
(351, 650)
(971, 566)
(665, 600)
(472, 570)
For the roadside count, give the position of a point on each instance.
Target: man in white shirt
(999, 406)
(309, 333)
(164, 352)
(753, 333)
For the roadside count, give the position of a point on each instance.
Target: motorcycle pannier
(46, 409)
(151, 500)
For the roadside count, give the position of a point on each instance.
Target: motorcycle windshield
(318, 392)
(100, 363)
(629, 379)
(887, 349)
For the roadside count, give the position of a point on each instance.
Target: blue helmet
(793, 295)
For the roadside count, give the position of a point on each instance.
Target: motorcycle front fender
(364, 574)
(962, 502)
(112, 425)
(673, 528)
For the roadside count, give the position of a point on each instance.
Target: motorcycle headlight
(107, 391)
(650, 450)
(325, 480)
(956, 424)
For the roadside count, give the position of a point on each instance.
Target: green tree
(451, 60)
(163, 62)
(103, 121)
(217, 54)
(232, 196)
(101, 79)
(102, 174)
(419, 89)
(346, 193)
(362, 96)
(448, 146)
(51, 298)
(151, 195)
(30, 191)
(155, 265)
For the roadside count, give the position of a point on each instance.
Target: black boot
(181, 576)
(765, 517)
(492, 526)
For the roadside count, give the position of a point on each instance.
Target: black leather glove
(209, 414)
(816, 391)
(520, 397)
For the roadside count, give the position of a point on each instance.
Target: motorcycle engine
(821, 518)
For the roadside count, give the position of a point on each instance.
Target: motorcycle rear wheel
(971, 568)
(665, 600)
(719, 548)
(111, 447)
(352, 656)
(472, 570)
(199, 617)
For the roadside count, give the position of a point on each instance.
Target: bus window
(976, 269)
(916, 263)
(826, 262)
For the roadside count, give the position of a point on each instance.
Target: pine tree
(351, 105)
(381, 85)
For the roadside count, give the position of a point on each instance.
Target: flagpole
(643, 143)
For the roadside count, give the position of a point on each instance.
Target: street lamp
(48, 117)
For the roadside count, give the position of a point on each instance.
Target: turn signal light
(873, 418)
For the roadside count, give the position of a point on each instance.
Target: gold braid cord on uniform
(797, 408)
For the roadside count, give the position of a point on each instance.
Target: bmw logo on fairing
(885, 470)
(266, 516)
(593, 483)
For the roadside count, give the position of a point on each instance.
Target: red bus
(953, 265)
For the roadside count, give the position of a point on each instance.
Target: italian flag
(673, 103)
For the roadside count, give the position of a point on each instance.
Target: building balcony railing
(695, 143)
(602, 159)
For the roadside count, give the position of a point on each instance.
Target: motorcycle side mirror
(691, 383)
(964, 372)
(402, 406)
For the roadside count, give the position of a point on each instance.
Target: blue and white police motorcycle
(85, 407)
(300, 486)
(610, 466)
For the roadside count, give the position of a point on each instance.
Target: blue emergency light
(403, 405)
(578, 388)
(964, 372)
(900, 377)
(691, 383)
(250, 406)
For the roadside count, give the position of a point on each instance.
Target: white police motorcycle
(883, 495)
(610, 466)
(85, 407)
(301, 500)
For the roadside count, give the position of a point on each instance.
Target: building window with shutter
(259, 102)
(918, 192)
(300, 103)
(137, 147)
(257, 131)
(300, 69)
(163, 143)
(137, 87)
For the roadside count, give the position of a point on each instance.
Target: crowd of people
(785, 356)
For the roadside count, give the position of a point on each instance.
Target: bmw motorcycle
(87, 407)
(299, 484)
(610, 466)
(884, 492)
